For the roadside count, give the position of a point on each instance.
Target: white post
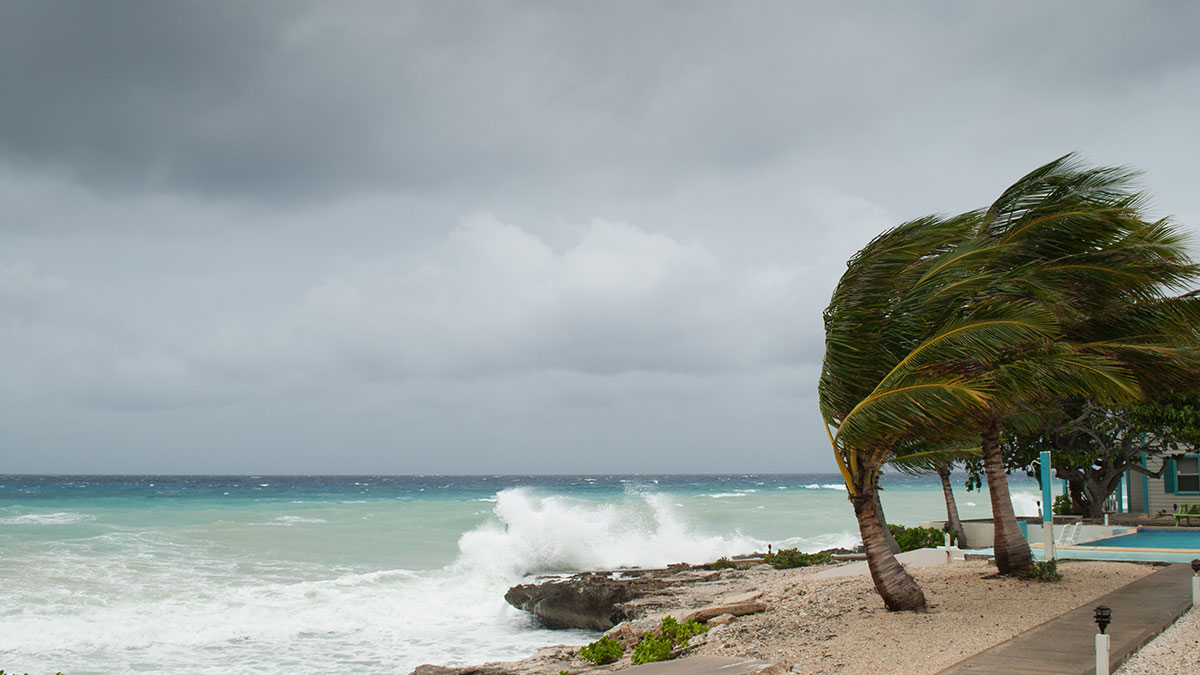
(1048, 540)
(1195, 590)
(1101, 654)
(946, 538)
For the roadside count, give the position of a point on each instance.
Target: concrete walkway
(1066, 644)
(921, 557)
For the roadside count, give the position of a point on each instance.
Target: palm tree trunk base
(898, 589)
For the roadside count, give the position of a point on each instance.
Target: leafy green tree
(1092, 446)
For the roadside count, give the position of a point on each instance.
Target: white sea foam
(848, 540)
(826, 486)
(725, 495)
(542, 534)
(1025, 503)
(291, 520)
(62, 518)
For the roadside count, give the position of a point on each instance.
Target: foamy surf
(312, 575)
(535, 534)
(48, 519)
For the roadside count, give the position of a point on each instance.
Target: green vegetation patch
(671, 635)
(604, 650)
(1041, 571)
(652, 648)
(787, 558)
(913, 538)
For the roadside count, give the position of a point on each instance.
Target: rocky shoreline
(801, 621)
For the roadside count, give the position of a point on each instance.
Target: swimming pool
(1147, 544)
(1160, 538)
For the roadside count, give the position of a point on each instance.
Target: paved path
(1066, 644)
(921, 557)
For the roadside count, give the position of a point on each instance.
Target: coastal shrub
(913, 538)
(671, 635)
(679, 633)
(724, 563)
(1046, 570)
(602, 651)
(1062, 505)
(652, 648)
(787, 558)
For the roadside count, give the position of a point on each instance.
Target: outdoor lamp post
(1103, 618)
(1196, 582)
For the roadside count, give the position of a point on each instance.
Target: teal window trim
(1145, 488)
(1176, 477)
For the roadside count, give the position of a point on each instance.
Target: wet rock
(547, 660)
(587, 601)
(469, 670)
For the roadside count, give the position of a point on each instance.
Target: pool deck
(1066, 644)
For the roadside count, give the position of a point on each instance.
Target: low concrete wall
(980, 532)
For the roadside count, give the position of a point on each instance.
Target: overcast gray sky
(481, 237)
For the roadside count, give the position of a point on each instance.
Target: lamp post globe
(1103, 617)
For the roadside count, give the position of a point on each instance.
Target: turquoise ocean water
(368, 574)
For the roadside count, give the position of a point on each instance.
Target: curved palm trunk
(897, 588)
(954, 523)
(887, 532)
(1011, 549)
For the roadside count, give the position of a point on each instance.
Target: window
(1187, 474)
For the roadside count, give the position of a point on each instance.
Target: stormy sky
(507, 237)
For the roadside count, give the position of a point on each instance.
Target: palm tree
(1074, 240)
(953, 522)
(942, 464)
(941, 326)
(894, 325)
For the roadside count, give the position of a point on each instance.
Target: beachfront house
(1179, 483)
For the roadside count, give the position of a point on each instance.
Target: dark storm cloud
(286, 100)
(526, 236)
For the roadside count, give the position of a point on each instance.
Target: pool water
(1188, 539)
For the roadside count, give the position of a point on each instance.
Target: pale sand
(839, 625)
(1175, 652)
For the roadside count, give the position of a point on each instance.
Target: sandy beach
(815, 625)
(839, 625)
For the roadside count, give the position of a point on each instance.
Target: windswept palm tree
(893, 328)
(1075, 241)
(941, 326)
(953, 521)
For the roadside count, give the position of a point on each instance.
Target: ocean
(368, 574)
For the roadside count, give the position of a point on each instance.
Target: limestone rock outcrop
(587, 601)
